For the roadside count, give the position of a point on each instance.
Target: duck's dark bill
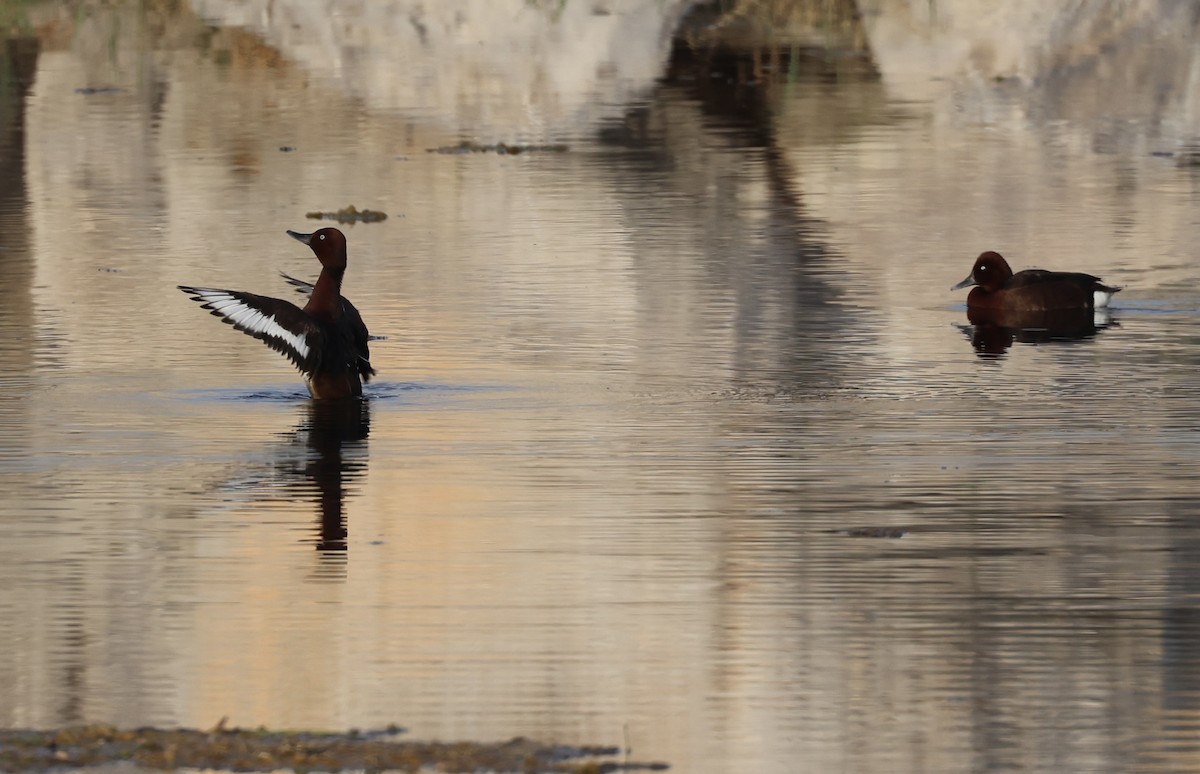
(305, 238)
(970, 280)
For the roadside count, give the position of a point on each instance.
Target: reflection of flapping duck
(331, 431)
(318, 460)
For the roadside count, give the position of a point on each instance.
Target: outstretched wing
(280, 325)
(362, 338)
(300, 285)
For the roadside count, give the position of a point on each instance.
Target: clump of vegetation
(874, 532)
(502, 148)
(349, 214)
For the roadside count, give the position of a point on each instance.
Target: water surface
(679, 439)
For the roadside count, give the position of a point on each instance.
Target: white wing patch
(251, 320)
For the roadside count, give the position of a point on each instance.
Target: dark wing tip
(301, 286)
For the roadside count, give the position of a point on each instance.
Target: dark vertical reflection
(712, 135)
(18, 353)
(18, 65)
(73, 640)
(707, 136)
(1179, 729)
(17, 68)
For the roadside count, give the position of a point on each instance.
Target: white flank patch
(251, 320)
(1100, 298)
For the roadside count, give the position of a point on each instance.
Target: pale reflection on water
(679, 439)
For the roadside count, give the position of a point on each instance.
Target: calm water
(680, 439)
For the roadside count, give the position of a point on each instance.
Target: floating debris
(874, 532)
(99, 90)
(263, 750)
(349, 214)
(502, 148)
(287, 148)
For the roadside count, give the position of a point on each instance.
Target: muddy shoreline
(233, 749)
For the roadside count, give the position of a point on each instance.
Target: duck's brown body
(1031, 290)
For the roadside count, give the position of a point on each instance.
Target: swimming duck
(1031, 290)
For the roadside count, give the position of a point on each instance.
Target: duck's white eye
(322, 236)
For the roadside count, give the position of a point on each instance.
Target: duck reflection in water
(334, 433)
(317, 461)
(993, 331)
